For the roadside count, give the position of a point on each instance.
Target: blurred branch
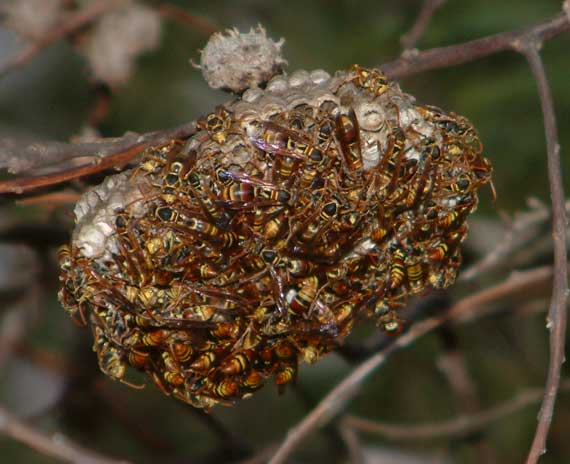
(107, 154)
(556, 320)
(337, 399)
(460, 426)
(452, 364)
(350, 437)
(470, 51)
(520, 233)
(410, 38)
(55, 446)
(73, 23)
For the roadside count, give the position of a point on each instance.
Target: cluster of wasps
(257, 243)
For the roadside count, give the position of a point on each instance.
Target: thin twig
(469, 51)
(429, 7)
(458, 427)
(557, 312)
(350, 437)
(73, 23)
(56, 446)
(338, 397)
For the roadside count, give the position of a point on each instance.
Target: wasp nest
(222, 261)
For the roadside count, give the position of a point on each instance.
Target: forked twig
(470, 51)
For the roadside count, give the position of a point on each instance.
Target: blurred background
(48, 373)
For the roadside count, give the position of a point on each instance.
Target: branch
(106, 154)
(340, 396)
(469, 51)
(55, 446)
(556, 320)
(410, 38)
(459, 427)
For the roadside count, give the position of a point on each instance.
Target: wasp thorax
(221, 262)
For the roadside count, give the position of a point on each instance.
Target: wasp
(181, 351)
(217, 124)
(275, 225)
(446, 247)
(243, 188)
(138, 359)
(209, 231)
(310, 172)
(287, 147)
(305, 296)
(344, 312)
(176, 171)
(207, 200)
(449, 219)
(415, 275)
(394, 156)
(285, 374)
(204, 362)
(397, 269)
(166, 214)
(391, 323)
(253, 380)
(237, 363)
(348, 134)
(111, 359)
(226, 388)
(370, 79)
(230, 330)
(460, 184)
(300, 267)
(316, 225)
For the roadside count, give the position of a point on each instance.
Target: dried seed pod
(223, 261)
